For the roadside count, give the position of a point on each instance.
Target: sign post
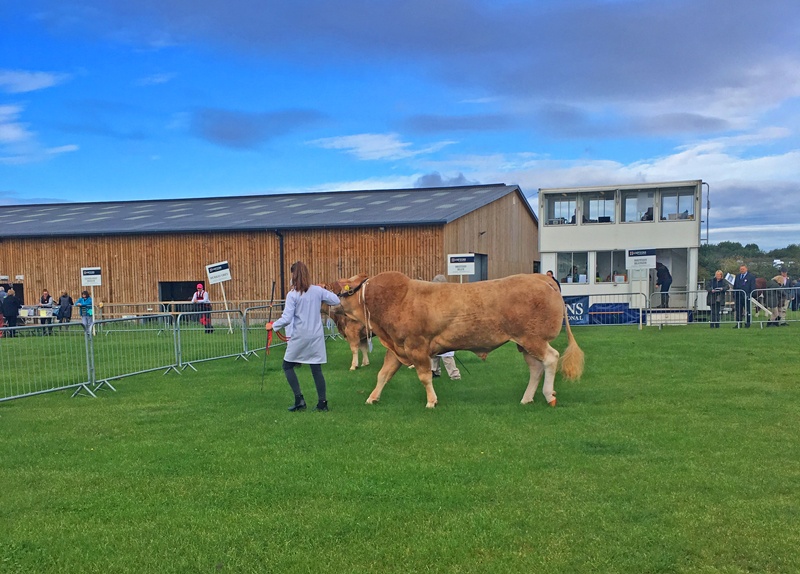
(219, 273)
(461, 264)
(91, 276)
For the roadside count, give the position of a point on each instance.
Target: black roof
(419, 206)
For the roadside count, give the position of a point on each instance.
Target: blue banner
(577, 309)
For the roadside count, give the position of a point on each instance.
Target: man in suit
(743, 287)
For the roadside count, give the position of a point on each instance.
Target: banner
(577, 309)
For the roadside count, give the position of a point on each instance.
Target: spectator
(2, 293)
(743, 287)
(716, 297)
(663, 280)
(307, 343)
(779, 295)
(11, 306)
(551, 276)
(200, 298)
(448, 358)
(46, 302)
(84, 305)
(64, 311)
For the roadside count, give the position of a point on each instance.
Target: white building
(585, 233)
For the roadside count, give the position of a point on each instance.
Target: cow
(416, 320)
(353, 332)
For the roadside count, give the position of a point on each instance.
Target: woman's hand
(268, 326)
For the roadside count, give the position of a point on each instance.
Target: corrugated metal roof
(426, 206)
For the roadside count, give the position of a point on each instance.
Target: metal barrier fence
(765, 307)
(208, 335)
(124, 347)
(255, 337)
(105, 310)
(39, 359)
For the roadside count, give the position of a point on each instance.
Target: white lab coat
(302, 313)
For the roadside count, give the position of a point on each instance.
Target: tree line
(729, 255)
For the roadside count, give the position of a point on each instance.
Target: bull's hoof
(431, 405)
(352, 368)
(526, 402)
(371, 401)
(552, 403)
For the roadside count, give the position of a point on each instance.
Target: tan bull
(416, 320)
(353, 332)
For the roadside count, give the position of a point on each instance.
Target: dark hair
(300, 277)
(84, 293)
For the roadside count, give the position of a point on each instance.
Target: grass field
(676, 452)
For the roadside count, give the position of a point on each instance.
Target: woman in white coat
(306, 345)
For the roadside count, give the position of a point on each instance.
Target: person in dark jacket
(663, 280)
(11, 306)
(65, 308)
(716, 297)
(743, 287)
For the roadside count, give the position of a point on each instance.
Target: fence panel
(775, 307)
(255, 336)
(207, 335)
(698, 311)
(38, 359)
(125, 347)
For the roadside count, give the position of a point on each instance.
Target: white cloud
(18, 144)
(19, 81)
(377, 146)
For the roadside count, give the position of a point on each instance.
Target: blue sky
(121, 100)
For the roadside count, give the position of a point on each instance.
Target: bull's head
(348, 287)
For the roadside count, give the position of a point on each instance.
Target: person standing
(743, 286)
(448, 358)
(64, 308)
(716, 297)
(200, 298)
(84, 305)
(307, 343)
(46, 302)
(11, 306)
(551, 276)
(664, 280)
(779, 296)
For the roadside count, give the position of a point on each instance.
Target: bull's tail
(572, 357)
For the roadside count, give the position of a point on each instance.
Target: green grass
(676, 452)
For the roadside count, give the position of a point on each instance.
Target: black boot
(299, 404)
(321, 406)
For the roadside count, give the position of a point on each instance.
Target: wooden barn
(158, 250)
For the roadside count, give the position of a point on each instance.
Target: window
(560, 208)
(572, 267)
(611, 267)
(637, 205)
(598, 207)
(677, 204)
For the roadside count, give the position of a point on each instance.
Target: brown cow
(353, 332)
(416, 320)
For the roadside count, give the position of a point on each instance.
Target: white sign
(3, 277)
(91, 277)
(19, 278)
(461, 264)
(640, 259)
(218, 272)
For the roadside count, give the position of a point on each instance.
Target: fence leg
(84, 387)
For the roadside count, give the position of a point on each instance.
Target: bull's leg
(391, 364)
(541, 351)
(364, 353)
(550, 363)
(536, 367)
(354, 361)
(426, 378)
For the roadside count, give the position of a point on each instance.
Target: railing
(607, 309)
